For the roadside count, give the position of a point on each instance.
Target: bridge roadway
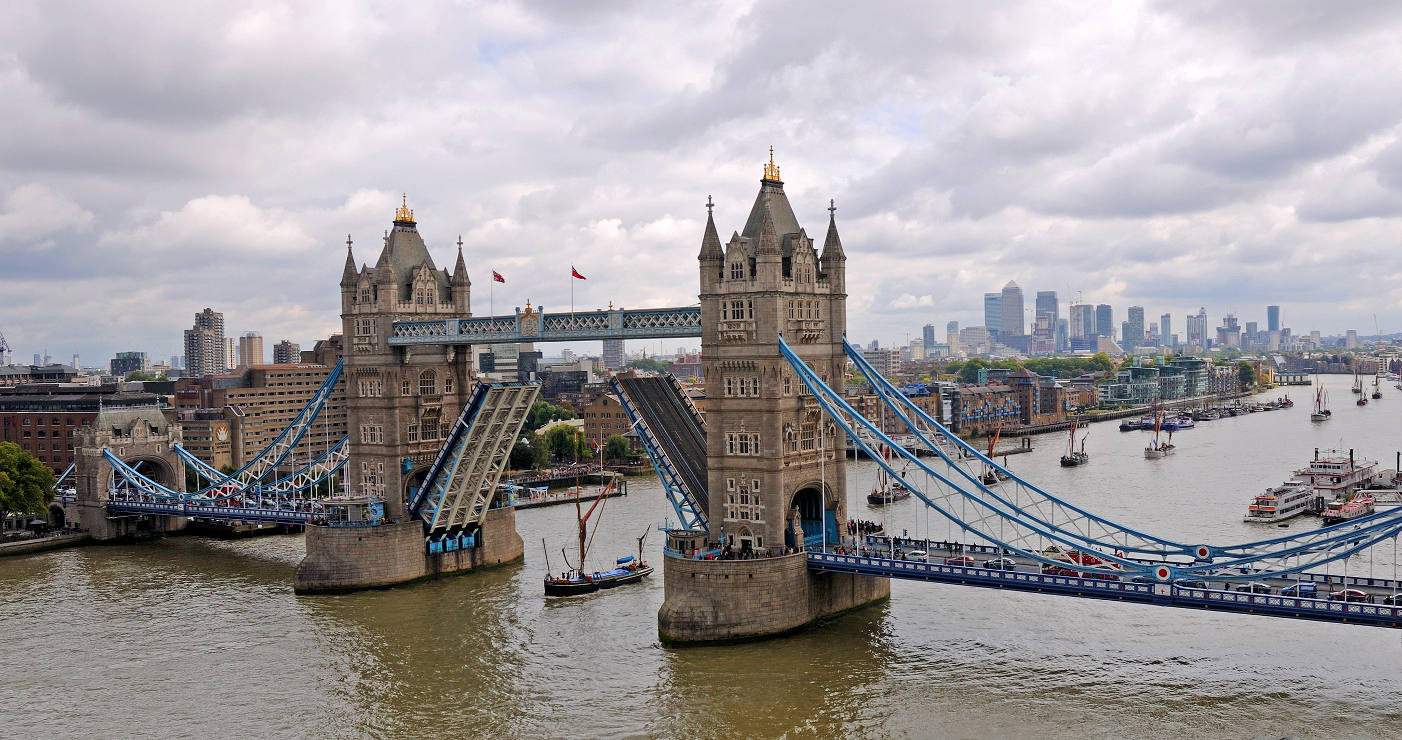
(223, 513)
(1027, 575)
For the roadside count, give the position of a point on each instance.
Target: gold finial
(771, 170)
(402, 213)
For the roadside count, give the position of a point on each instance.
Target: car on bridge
(964, 560)
(1303, 589)
(1392, 600)
(919, 555)
(1351, 594)
(1000, 564)
(1255, 588)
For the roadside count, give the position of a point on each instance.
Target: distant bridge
(534, 325)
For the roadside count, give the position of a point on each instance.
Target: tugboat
(1074, 457)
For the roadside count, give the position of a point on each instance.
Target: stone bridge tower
(776, 468)
(141, 437)
(769, 484)
(401, 402)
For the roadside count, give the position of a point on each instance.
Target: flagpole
(491, 295)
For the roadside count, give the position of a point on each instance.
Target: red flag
(497, 277)
(575, 273)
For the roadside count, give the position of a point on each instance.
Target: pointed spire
(710, 241)
(460, 268)
(832, 246)
(768, 237)
(349, 274)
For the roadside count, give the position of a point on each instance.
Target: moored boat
(1073, 456)
(1158, 449)
(1341, 511)
(1281, 502)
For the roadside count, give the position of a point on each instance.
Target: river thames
(189, 636)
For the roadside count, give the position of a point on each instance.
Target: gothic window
(749, 309)
(754, 486)
(737, 271)
(428, 383)
(791, 309)
(364, 295)
(729, 386)
(404, 387)
(448, 384)
(413, 433)
(730, 484)
(754, 386)
(788, 385)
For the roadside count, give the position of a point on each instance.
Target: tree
(26, 485)
(647, 363)
(968, 371)
(542, 412)
(566, 442)
(138, 375)
(616, 447)
(522, 454)
(1247, 373)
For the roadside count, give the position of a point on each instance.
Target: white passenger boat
(1280, 502)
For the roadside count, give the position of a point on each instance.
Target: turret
(832, 262)
(712, 257)
(349, 275)
(461, 285)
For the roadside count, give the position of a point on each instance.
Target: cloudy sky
(158, 158)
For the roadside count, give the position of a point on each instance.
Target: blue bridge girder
(207, 511)
(534, 325)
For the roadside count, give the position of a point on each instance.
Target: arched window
(428, 383)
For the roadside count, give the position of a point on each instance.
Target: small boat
(1129, 426)
(1377, 391)
(1321, 405)
(1357, 383)
(1073, 456)
(1281, 502)
(577, 582)
(886, 490)
(1362, 400)
(1182, 421)
(1341, 511)
(1156, 449)
(991, 474)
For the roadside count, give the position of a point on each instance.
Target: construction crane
(4, 350)
(1376, 328)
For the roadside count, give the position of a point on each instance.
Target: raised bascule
(757, 484)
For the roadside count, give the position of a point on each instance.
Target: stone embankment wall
(733, 600)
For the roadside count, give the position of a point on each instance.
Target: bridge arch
(805, 514)
(57, 517)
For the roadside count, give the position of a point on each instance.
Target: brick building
(43, 418)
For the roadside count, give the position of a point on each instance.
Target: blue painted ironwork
(1159, 594)
(994, 516)
(223, 513)
(448, 457)
(690, 515)
(1103, 533)
(63, 477)
(460, 486)
(536, 326)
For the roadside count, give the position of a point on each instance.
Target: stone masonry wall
(346, 558)
(727, 600)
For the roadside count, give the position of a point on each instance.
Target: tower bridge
(762, 473)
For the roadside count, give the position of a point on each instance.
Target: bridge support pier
(354, 558)
(713, 601)
(102, 526)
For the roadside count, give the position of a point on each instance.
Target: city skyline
(224, 163)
